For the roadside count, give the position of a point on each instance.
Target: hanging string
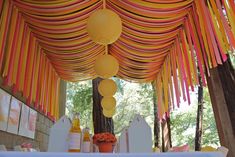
(104, 4)
(106, 46)
(106, 49)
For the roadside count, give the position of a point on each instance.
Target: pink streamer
(176, 86)
(197, 54)
(178, 51)
(13, 52)
(199, 36)
(5, 33)
(225, 23)
(191, 49)
(212, 35)
(184, 80)
(37, 101)
(186, 59)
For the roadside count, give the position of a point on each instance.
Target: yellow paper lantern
(106, 66)
(109, 113)
(104, 26)
(107, 87)
(108, 103)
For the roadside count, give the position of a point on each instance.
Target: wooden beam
(157, 132)
(166, 135)
(62, 98)
(221, 111)
(198, 133)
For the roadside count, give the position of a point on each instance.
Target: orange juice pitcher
(86, 141)
(75, 134)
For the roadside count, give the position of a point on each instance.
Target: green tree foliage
(210, 133)
(183, 125)
(135, 99)
(79, 99)
(232, 58)
(132, 98)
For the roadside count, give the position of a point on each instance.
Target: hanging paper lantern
(106, 66)
(107, 87)
(108, 113)
(108, 103)
(104, 26)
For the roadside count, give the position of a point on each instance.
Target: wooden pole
(166, 135)
(62, 98)
(156, 119)
(198, 133)
(222, 110)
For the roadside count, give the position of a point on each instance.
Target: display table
(47, 154)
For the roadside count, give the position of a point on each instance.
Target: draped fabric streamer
(44, 41)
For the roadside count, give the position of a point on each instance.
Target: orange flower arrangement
(105, 137)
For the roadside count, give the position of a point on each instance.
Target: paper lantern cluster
(104, 27)
(107, 66)
(107, 88)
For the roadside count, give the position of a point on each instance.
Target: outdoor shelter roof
(162, 40)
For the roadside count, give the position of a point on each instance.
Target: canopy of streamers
(165, 41)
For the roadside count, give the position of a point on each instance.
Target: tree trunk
(156, 119)
(100, 122)
(166, 135)
(221, 85)
(198, 134)
(227, 77)
(169, 130)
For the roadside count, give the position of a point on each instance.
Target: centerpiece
(105, 141)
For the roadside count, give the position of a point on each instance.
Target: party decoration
(104, 26)
(106, 66)
(108, 103)
(160, 42)
(105, 141)
(108, 113)
(107, 87)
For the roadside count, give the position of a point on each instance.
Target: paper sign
(123, 142)
(32, 122)
(14, 116)
(58, 139)
(4, 109)
(24, 121)
(139, 136)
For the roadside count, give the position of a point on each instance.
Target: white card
(58, 139)
(4, 109)
(24, 121)
(14, 116)
(32, 123)
(139, 136)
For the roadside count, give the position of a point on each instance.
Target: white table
(47, 154)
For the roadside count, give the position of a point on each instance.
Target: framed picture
(4, 109)
(14, 116)
(24, 121)
(32, 122)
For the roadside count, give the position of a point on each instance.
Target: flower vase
(105, 147)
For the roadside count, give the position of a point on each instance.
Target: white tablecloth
(46, 154)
